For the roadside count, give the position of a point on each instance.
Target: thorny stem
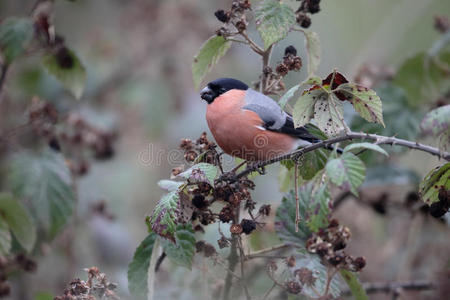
(232, 259)
(297, 204)
(266, 250)
(349, 136)
(330, 275)
(265, 64)
(242, 258)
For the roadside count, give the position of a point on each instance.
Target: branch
(266, 250)
(323, 144)
(232, 260)
(380, 287)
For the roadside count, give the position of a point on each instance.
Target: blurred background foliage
(138, 57)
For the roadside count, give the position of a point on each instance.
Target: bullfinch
(248, 124)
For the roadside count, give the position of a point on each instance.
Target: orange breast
(239, 132)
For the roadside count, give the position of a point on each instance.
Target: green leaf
(45, 181)
(164, 218)
(313, 209)
(201, 172)
(313, 80)
(288, 95)
(68, 69)
(436, 121)
(436, 179)
(15, 36)
(383, 175)
(365, 101)
(19, 221)
(423, 81)
(313, 50)
(401, 120)
(365, 145)
(169, 185)
(274, 19)
(285, 219)
(304, 107)
(208, 56)
(329, 114)
(5, 237)
(312, 162)
(139, 267)
(182, 251)
(305, 262)
(354, 285)
(347, 172)
(43, 296)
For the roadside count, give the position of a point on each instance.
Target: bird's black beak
(207, 94)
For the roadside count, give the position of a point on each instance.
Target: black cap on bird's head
(219, 86)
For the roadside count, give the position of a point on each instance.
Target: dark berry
(241, 26)
(339, 245)
(336, 259)
(199, 201)
(248, 226)
(359, 263)
(438, 209)
(303, 20)
(64, 58)
(222, 16)
(290, 50)
(226, 214)
(54, 144)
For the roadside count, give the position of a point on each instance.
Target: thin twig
(232, 259)
(325, 143)
(269, 291)
(267, 250)
(242, 258)
(252, 44)
(297, 200)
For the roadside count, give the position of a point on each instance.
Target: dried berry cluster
(291, 62)
(441, 23)
(201, 195)
(307, 7)
(328, 244)
(299, 277)
(96, 287)
(70, 133)
(9, 265)
(200, 150)
(235, 16)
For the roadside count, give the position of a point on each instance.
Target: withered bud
(241, 25)
(290, 261)
(359, 263)
(236, 229)
(305, 276)
(209, 250)
(264, 210)
(441, 23)
(303, 20)
(223, 242)
(190, 155)
(282, 69)
(293, 287)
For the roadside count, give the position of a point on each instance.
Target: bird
(248, 124)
